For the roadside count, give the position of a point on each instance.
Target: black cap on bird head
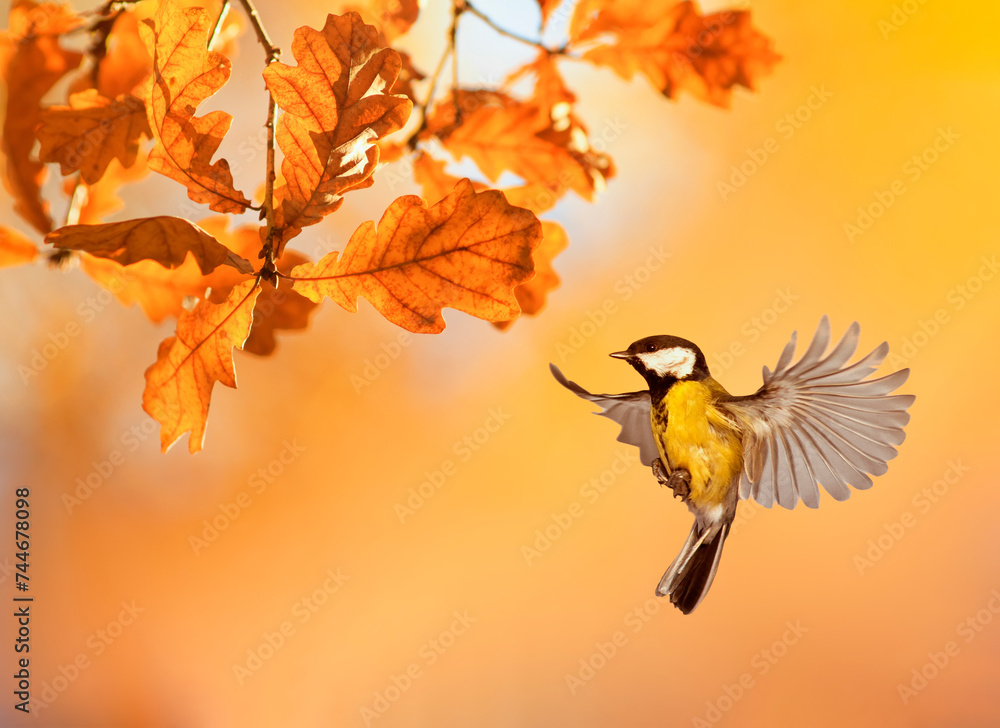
(665, 359)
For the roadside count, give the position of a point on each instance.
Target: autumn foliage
(349, 102)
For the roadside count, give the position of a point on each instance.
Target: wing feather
(630, 410)
(820, 421)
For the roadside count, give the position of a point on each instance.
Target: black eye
(650, 347)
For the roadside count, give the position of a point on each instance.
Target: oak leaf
(86, 135)
(548, 146)
(278, 308)
(676, 47)
(392, 18)
(550, 88)
(336, 104)
(164, 239)
(15, 249)
(31, 63)
(430, 174)
(467, 252)
(179, 384)
(531, 296)
(184, 75)
(122, 63)
(161, 292)
(408, 73)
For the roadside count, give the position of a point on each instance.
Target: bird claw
(679, 481)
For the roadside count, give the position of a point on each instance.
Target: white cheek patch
(677, 362)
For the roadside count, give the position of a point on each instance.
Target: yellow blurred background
(292, 574)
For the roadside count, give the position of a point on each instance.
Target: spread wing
(818, 421)
(630, 410)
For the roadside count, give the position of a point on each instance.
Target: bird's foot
(679, 481)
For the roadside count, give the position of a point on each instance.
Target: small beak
(621, 355)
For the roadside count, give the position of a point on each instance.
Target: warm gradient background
(333, 506)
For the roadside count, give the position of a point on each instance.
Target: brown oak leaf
(164, 239)
(15, 249)
(179, 384)
(31, 62)
(184, 75)
(86, 135)
(467, 252)
(336, 104)
(676, 47)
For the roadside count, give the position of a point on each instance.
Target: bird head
(665, 359)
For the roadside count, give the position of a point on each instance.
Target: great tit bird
(813, 422)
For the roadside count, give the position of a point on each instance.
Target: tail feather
(690, 576)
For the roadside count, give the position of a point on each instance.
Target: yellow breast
(698, 438)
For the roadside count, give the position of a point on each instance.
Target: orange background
(333, 506)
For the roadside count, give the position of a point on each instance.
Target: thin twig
(268, 211)
(512, 35)
(262, 36)
(272, 53)
(458, 8)
(223, 12)
(422, 108)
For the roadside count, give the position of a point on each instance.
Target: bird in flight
(816, 422)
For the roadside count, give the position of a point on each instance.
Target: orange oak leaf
(467, 252)
(161, 292)
(278, 309)
(31, 62)
(550, 87)
(430, 174)
(184, 75)
(408, 73)
(676, 47)
(122, 62)
(179, 384)
(15, 249)
(392, 18)
(167, 240)
(531, 296)
(86, 135)
(548, 146)
(336, 104)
